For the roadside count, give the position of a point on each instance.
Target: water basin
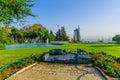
(31, 45)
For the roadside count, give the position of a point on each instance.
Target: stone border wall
(103, 74)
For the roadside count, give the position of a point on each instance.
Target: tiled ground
(50, 71)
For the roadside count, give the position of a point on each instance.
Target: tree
(51, 36)
(14, 33)
(5, 37)
(15, 10)
(64, 36)
(46, 36)
(58, 35)
(36, 31)
(116, 38)
(61, 35)
(17, 35)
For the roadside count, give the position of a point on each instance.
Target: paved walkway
(50, 71)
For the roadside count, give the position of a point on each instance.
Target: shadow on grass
(104, 46)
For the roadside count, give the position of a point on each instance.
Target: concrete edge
(22, 70)
(103, 74)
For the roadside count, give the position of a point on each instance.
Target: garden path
(52, 71)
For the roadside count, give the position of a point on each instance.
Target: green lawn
(7, 56)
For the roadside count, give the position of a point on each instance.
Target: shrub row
(2, 46)
(11, 68)
(109, 64)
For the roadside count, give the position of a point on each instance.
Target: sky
(96, 18)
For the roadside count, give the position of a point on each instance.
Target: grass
(7, 56)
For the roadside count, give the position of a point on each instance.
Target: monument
(62, 56)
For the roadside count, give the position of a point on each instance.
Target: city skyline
(96, 18)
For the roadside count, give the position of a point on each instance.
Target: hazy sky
(96, 18)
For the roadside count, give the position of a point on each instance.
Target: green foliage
(35, 33)
(51, 36)
(116, 38)
(46, 35)
(36, 30)
(28, 34)
(118, 60)
(15, 10)
(5, 74)
(107, 63)
(13, 67)
(64, 34)
(2, 46)
(61, 35)
(58, 35)
(5, 37)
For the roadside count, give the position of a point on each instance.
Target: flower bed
(109, 64)
(11, 68)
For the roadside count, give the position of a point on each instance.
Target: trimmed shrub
(2, 46)
(109, 64)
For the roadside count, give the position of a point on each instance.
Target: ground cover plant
(12, 67)
(108, 63)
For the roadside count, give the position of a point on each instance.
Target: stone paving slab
(52, 71)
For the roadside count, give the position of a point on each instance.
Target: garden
(104, 56)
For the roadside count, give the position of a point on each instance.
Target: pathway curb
(20, 71)
(103, 74)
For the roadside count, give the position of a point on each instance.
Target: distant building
(77, 36)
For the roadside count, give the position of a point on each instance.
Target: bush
(17, 65)
(118, 60)
(2, 46)
(108, 64)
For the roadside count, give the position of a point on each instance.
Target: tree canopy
(35, 33)
(61, 35)
(15, 10)
(51, 36)
(5, 36)
(116, 38)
